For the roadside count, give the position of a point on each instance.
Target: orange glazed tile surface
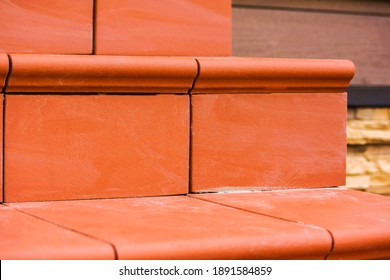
(268, 75)
(359, 222)
(25, 237)
(46, 26)
(180, 227)
(267, 141)
(176, 27)
(95, 146)
(77, 73)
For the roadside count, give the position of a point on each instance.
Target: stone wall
(368, 159)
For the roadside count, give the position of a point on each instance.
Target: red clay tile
(66, 73)
(263, 141)
(25, 237)
(4, 68)
(267, 75)
(359, 222)
(45, 26)
(95, 146)
(179, 227)
(176, 27)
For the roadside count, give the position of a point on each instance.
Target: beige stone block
(380, 180)
(377, 150)
(377, 157)
(360, 182)
(382, 190)
(355, 137)
(359, 165)
(363, 132)
(383, 165)
(372, 114)
(369, 124)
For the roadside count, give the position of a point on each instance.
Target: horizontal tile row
(129, 74)
(268, 75)
(67, 73)
(60, 147)
(358, 221)
(121, 27)
(260, 225)
(173, 227)
(64, 141)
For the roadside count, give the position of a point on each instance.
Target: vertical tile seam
(189, 188)
(94, 27)
(3, 130)
(7, 76)
(332, 245)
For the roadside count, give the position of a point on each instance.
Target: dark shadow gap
(94, 27)
(190, 130)
(310, 10)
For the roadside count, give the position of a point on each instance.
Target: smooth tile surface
(25, 237)
(272, 75)
(180, 227)
(268, 141)
(45, 26)
(176, 27)
(99, 73)
(96, 146)
(359, 222)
